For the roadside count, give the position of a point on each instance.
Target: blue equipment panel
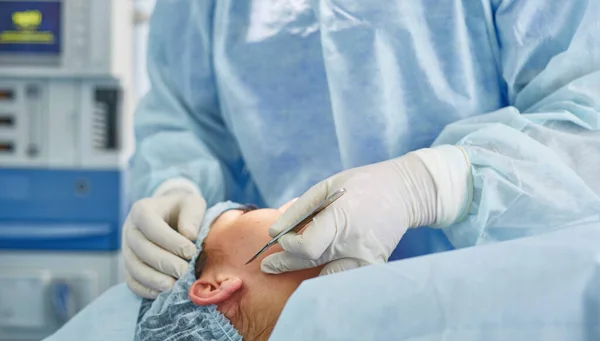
(61, 209)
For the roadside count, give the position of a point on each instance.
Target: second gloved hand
(429, 187)
(157, 240)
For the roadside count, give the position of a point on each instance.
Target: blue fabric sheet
(538, 288)
(112, 316)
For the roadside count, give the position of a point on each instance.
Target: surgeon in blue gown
(450, 124)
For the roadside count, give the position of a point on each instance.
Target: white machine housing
(61, 122)
(65, 122)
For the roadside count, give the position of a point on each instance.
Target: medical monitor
(64, 37)
(30, 27)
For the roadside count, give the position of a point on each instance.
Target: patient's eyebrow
(248, 208)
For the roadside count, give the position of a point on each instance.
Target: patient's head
(249, 298)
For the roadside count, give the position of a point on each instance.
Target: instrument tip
(250, 260)
(258, 253)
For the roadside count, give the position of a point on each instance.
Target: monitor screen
(30, 27)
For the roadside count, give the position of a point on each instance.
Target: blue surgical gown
(256, 101)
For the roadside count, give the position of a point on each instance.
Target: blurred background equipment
(65, 86)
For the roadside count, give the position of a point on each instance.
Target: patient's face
(239, 235)
(240, 289)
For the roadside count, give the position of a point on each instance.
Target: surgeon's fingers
(315, 239)
(339, 265)
(284, 261)
(287, 205)
(160, 233)
(155, 256)
(144, 274)
(300, 207)
(139, 289)
(190, 216)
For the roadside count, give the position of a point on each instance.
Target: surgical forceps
(303, 221)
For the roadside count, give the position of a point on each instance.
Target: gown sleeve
(535, 163)
(178, 127)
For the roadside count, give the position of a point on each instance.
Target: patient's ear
(205, 292)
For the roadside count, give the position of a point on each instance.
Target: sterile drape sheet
(540, 288)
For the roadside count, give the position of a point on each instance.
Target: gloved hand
(157, 239)
(429, 187)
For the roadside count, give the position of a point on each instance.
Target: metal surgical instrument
(302, 222)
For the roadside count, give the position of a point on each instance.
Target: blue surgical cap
(173, 316)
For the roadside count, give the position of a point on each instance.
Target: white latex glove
(429, 187)
(158, 235)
